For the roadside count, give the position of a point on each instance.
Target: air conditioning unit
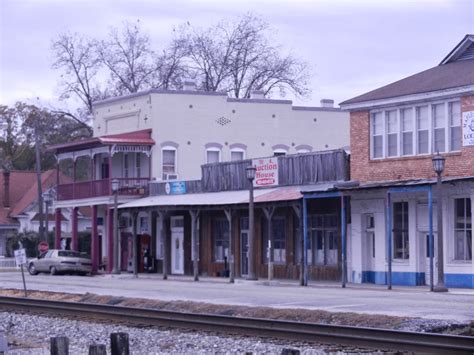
(170, 176)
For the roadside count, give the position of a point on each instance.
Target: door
(244, 251)
(177, 245)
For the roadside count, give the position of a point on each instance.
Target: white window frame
(168, 147)
(430, 124)
(237, 150)
(213, 149)
(450, 126)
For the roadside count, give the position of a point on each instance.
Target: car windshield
(69, 254)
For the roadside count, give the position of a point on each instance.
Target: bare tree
(238, 58)
(129, 59)
(77, 57)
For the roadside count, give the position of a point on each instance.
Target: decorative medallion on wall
(223, 121)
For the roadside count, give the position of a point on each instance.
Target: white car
(56, 261)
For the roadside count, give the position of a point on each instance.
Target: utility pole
(38, 179)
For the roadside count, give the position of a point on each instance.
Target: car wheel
(53, 270)
(32, 269)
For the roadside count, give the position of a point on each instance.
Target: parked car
(61, 262)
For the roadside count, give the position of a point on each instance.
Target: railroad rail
(256, 327)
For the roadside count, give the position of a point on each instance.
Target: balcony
(101, 188)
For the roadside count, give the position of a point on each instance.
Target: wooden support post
(59, 346)
(163, 216)
(119, 344)
(134, 216)
(228, 214)
(97, 349)
(269, 211)
(195, 243)
(300, 240)
(74, 232)
(305, 242)
(110, 239)
(95, 241)
(57, 231)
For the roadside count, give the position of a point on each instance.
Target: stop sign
(43, 247)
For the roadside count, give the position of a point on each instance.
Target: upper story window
(138, 165)
(237, 154)
(417, 130)
(168, 162)
(213, 155)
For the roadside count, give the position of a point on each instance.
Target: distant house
(19, 207)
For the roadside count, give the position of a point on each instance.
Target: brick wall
(365, 170)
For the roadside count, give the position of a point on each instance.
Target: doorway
(177, 245)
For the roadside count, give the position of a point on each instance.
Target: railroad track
(256, 327)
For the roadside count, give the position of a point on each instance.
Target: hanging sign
(468, 128)
(267, 172)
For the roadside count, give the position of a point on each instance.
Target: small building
(395, 132)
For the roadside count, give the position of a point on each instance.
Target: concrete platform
(457, 304)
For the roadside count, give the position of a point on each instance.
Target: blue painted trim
(314, 195)
(343, 237)
(409, 188)
(389, 240)
(398, 278)
(431, 238)
(459, 280)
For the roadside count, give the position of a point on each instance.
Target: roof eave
(412, 98)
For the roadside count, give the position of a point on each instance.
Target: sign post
(20, 260)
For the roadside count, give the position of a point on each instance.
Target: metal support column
(431, 239)
(163, 235)
(389, 241)
(134, 216)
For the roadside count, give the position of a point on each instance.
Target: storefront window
(400, 231)
(220, 239)
(323, 231)
(462, 229)
(279, 240)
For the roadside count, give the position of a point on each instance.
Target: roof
(441, 77)
(20, 181)
(30, 194)
(142, 137)
(276, 194)
(456, 70)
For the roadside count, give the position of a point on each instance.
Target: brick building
(395, 131)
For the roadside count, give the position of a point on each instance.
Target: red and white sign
(267, 172)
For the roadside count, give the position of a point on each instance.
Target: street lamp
(250, 171)
(116, 267)
(47, 198)
(438, 166)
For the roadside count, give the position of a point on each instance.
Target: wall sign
(267, 172)
(175, 188)
(468, 128)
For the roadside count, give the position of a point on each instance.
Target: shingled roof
(456, 72)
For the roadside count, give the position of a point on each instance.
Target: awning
(277, 194)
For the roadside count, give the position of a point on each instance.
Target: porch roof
(276, 194)
(130, 138)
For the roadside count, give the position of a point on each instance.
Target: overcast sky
(352, 46)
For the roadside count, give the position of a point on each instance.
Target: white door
(177, 247)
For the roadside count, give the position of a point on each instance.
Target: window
(138, 165)
(279, 152)
(424, 129)
(125, 166)
(279, 240)
(406, 118)
(392, 133)
(462, 229)
(168, 161)
(237, 155)
(213, 155)
(377, 135)
(220, 239)
(400, 231)
(455, 126)
(324, 239)
(144, 224)
(439, 128)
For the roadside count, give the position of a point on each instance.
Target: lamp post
(47, 198)
(115, 188)
(438, 166)
(250, 171)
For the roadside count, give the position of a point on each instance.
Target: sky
(351, 46)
